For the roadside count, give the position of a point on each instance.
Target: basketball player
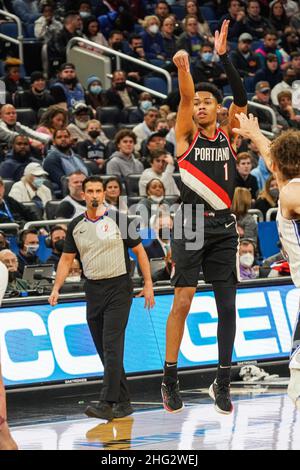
(208, 169)
(6, 441)
(282, 158)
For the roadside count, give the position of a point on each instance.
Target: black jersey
(208, 171)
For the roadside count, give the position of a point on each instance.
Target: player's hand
(53, 297)
(221, 38)
(148, 294)
(249, 127)
(181, 60)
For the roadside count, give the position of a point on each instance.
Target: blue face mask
(207, 56)
(145, 105)
(96, 89)
(38, 182)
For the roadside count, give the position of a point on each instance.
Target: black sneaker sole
(212, 395)
(123, 415)
(91, 412)
(170, 410)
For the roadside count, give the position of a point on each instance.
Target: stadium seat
(157, 84)
(108, 114)
(122, 125)
(8, 185)
(131, 200)
(34, 208)
(125, 114)
(213, 25)
(249, 84)
(178, 11)
(132, 184)
(51, 209)
(18, 99)
(9, 29)
(207, 13)
(109, 130)
(27, 117)
(268, 238)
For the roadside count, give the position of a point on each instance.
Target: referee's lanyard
(7, 213)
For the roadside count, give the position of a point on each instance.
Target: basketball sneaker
(220, 393)
(171, 397)
(294, 383)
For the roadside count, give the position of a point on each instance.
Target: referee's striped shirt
(102, 244)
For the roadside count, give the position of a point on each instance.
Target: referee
(99, 238)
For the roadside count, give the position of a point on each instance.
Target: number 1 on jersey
(226, 171)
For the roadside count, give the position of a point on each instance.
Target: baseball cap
(36, 76)
(154, 134)
(79, 107)
(34, 169)
(67, 65)
(245, 37)
(262, 86)
(271, 56)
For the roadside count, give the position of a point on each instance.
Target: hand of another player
(221, 38)
(148, 294)
(249, 127)
(181, 60)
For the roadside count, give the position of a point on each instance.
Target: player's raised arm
(185, 126)
(239, 93)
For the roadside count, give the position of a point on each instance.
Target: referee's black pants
(108, 307)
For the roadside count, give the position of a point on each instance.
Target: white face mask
(153, 28)
(247, 260)
(73, 279)
(157, 198)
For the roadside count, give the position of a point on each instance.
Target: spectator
(244, 60)
(262, 96)
(247, 258)
(237, 17)
(21, 155)
(145, 128)
(28, 248)
(93, 149)
(123, 162)
(38, 96)
(278, 19)
(290, 40)
(192, 8)
(31, 188)
(91, 31)
(145, 102)
(67, 91)
(81, 117)
(261, 173)
(55, 118)
(4, 243)
(270, 73)
(27, 10)
(162, 167)
(268, 197)
(61, 159)
(170, 137)
(190, 39)
(160, 247)
(291, 8)
(152, 39)
(154, 202)
(156, 141)
(241, 203)
(269, 46)
(115, 40)
(289, 75)
(162, 10)
(169, 39)
(46, 26)
(255, 23)
(206, 70)
(244, 179)
(12, 79)
(295, 63)
(11, 128)
(56, 241)
(73, 204)
(120, 94)
(136, 50)
(15, 282)
(58, 44)
(12, 211)
(285, 108)
(113, 194)
(84, 9)
(94, 96)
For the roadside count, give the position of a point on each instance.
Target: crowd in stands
(55, 130)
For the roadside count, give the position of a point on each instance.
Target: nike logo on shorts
(228, 225)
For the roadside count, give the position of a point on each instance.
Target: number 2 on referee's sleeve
(226, 171)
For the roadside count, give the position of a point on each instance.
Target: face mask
(274, 193)
(156, 198)
(38, 182)
(84, 14)
(59, 245)
(96, 90)
(94, 134)
(207, 56)
(153, 29)
(70, 81)
(31, 249)
(117, 46)
(73, 279)
(80, 124)
(247, 260)
(171, 2)
(145, 105)
(120, 86)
